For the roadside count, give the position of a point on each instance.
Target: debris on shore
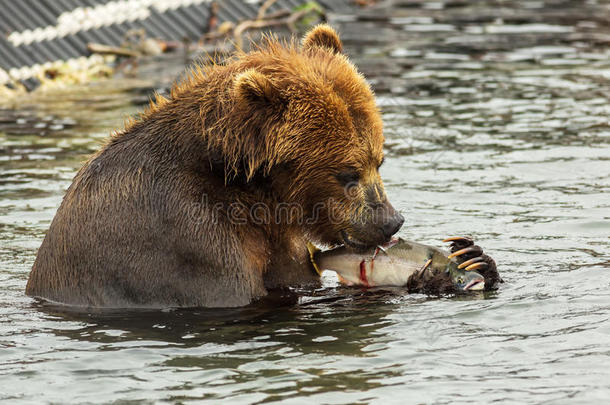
(106, 60)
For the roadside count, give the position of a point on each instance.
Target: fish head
(467, 280)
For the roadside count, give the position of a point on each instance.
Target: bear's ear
(323, 36)
(254, 87)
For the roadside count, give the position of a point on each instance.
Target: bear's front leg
(471, 257)
(290, 266)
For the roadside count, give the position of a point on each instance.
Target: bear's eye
(347, 177)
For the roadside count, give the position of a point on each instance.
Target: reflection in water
(270, 345)
(496, 120)
(280, 320)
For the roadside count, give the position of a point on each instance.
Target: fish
(399, 263)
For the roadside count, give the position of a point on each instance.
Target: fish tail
(312, 253)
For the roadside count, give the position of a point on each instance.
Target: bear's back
(122, 235)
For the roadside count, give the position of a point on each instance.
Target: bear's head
(309, 123)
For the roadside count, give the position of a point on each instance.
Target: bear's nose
(392, 225)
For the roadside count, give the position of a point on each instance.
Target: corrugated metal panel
(38, 46)
(199, 17)
(338, 6)
(193, 25)
(8, 54)
(172, 30)
(45, 15)
(234, 11)
(17, 20)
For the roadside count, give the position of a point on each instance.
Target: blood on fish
(363, 278)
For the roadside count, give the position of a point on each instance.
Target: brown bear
(209, 197)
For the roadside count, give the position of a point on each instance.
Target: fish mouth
(477, 284)
(353, 243)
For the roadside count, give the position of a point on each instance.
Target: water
(495, 129)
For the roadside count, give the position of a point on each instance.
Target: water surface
(497, 127)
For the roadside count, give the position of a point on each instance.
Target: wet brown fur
(437, 283)
(137, 226)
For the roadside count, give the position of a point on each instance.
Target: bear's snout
(393, 222)
(374, 225)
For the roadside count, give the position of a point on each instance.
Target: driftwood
(263, 20)
(135, 43)
(111, 50)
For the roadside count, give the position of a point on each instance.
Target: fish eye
(348, 177)
(460, 280)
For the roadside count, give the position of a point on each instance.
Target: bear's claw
(457, 238)
(469, 262)
(469, 249)
(459, 243)
(471, 257)
(477, 266)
